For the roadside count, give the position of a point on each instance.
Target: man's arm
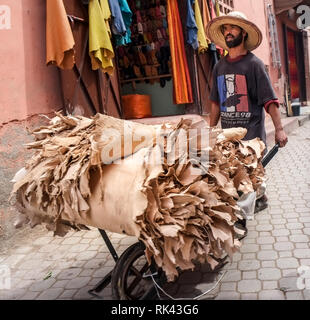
(280, 136)
(214, 114)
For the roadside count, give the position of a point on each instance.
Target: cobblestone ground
(277, 244)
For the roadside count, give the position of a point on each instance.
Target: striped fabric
(182, 88)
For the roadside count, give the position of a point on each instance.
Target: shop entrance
(295, 64)
(145, 66)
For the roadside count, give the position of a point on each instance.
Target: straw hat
(214, 32)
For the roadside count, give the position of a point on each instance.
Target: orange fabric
(59, 37)
(182, 87)
(136, 106)
(205, 13)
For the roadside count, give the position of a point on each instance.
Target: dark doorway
(295, 66)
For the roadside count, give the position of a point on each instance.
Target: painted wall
(256, 12)
(27, 86)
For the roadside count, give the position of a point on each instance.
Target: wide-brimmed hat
(214, 31)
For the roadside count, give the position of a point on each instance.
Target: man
(241, 86)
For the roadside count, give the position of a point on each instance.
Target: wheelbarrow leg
(107, 279)
(109, 244)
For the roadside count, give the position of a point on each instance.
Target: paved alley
(272, 263)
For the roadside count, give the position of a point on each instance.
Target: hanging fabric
(201, 35)
(182, 88)
(191, 26)
(100, 46)
(213, 16)
(59, 37)
(127, 18)
(205, 13)
(118, 25)
(212, 10)
(217, 8)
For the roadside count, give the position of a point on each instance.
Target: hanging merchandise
(217, 8)
(118, 25)
(212, 10)
(147, 57)
(127, 19)
(182, 88)
(201, 35)
(205, 13)
(59, 38)
(213, 16)
(191, 25)
(100, 46)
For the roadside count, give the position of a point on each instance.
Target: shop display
(147, 57)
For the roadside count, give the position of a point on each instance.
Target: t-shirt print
(234, 104)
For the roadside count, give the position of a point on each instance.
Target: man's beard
(235, 42)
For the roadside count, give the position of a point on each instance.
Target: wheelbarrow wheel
(128, 277)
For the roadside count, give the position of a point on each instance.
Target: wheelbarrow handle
(270, 154)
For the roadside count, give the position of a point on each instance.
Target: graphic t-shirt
(241, 88)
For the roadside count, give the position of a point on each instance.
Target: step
(289, 124)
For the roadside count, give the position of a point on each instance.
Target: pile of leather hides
(175, 186)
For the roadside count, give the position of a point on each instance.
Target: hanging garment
(213, 16)
(59, 37)
(212, 9)
(127, 18)
(217, 8)
(191, 26)
(182, 87)
(118, 25)
(205, 14)
(100, 46)
(201, 35)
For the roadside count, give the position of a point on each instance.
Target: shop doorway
(295, 66)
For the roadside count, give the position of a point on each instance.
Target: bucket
(137, 106)
(296, 109)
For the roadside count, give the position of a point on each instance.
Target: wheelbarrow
(132, 277)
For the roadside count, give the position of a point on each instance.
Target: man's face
(233, 35)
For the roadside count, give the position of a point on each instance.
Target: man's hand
(281, 137)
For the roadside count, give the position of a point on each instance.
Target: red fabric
(293, 69)
(268, 103)
(182, 87)
(212, 11)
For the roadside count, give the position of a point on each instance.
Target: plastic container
(136, 106)
(296, 109)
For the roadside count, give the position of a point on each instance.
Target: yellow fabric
(217, 8)
(106, 14)
(201, 35)
(59, 37)
(100, 46)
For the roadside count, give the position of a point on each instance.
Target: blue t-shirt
(241, 88)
